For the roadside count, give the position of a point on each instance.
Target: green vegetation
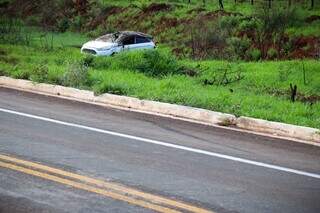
(257, 89)
(195, 29)
(242, 60)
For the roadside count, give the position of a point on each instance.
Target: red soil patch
(216, 14)
(165, 23)
(101, 18)
(312, 18)
(305, 47)
(196, 10)
(155, 7)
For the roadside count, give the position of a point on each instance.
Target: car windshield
(107, 38)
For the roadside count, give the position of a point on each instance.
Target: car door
(143, 43)
(128, 43)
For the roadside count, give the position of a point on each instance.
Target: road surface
(64, 156)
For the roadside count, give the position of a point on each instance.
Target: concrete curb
(280, 129)
(305, 134)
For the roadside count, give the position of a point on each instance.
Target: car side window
(140, 40)
(128, 40)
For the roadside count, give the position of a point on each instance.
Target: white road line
(200, 151)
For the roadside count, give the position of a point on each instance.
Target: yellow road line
(117, 187)
(88, 188)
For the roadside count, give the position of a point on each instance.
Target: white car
(110, 44)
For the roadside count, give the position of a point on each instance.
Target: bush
(239, 46)
(63, 24)
(12, 31)
(77, 23)
(229, 23)
(206, 39)
(272, 53)
(76, 75)
(154, 63)
(39, 73)
(254, 54)
(158, 63)
(248, 25)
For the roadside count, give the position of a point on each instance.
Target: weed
(39, 73)
(76, 75)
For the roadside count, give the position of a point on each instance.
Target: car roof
(133, 33)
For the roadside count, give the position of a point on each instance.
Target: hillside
(240, 31)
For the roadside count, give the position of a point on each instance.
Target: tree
(251, 2)
(312, 4)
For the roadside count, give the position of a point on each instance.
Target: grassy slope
(262, 93)
(172, 27)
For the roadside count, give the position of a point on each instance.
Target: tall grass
(262, 92)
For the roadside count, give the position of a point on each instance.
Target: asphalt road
(204, 167)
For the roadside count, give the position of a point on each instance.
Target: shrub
(229, 23)
(154, 63)
(248, 25)
(77, 23)
(12, 31)
(39, 73)
(254, 54)
(76, 75)
(63, 24)
(272, 53)
(158, 63)
(239, 46)
(207, 39)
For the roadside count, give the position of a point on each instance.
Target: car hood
(99, 44)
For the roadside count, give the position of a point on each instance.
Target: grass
(262, 90)
(312, 29)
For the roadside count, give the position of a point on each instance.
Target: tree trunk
(270, 1)
(221, 4)
(312, 4)
(251, 2)
(293, 92)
